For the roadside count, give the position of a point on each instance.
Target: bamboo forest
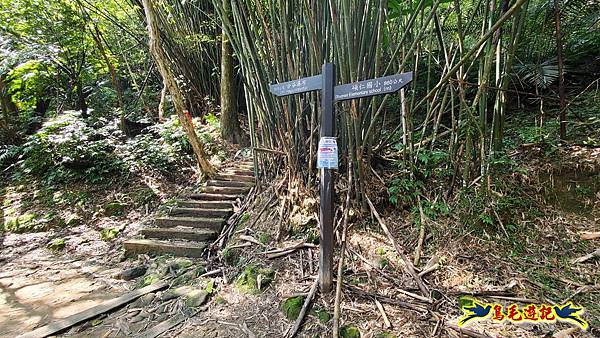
(300, 168)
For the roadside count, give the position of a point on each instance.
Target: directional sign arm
(378, 86)
(306, 84)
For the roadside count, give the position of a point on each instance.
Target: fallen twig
(211, 273)
(582, 289)
(251, 240)
(407, 263)
(243, 245)
(589, 235)
(429, 269)
(392, 279)
(387, 300)
(586, 257)
(286, 251)
(384, 316)
(307, 301)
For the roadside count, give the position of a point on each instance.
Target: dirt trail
(38, 286)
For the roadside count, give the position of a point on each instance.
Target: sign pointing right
(378, 86)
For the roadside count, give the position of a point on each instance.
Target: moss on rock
(253, 279)
(349, 331)
(291, 307)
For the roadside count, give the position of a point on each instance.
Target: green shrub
(66, 148)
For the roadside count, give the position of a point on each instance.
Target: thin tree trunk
(169, 80)
(96, 35)
(230, 126)
(561, 77)
(161, 104)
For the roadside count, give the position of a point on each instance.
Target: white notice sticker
(327, 155)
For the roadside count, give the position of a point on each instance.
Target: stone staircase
(198, 218)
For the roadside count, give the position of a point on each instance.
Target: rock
(133, 273)
(185, 278)
(253, 279)
(178, 292)
(196, 298)
(57, 244)
(147, 299)
(114, 209)
(73, 220)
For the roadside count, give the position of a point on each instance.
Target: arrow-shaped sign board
(378, 86)
(306, 84)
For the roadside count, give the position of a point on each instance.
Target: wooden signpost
(330, 93)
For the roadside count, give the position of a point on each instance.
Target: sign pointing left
(306, 84)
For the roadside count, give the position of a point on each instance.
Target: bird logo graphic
(570, 313)
(474, 311)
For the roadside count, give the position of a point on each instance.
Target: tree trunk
(561, 77)
(81, 103)
(230, 126)
(113, 77)
(169, 80)
(161, 104)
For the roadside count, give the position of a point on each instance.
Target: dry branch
(587, 257)
(387, 300)
(286, 251)
(307, 301)
(384, 316)
(589, 235)
(393, 280)
(407, 263)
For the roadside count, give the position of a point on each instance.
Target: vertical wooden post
(327, 183)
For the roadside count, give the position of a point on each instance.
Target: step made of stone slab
(236, 178)
(226, 190)
(177, 248)
(213, 197)
(197, 212)
(205, 204)
(192, 222)
(225, 183)
(239, 172)
(190, 234)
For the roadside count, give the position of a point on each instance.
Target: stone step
(191, 222)
(240, 172)
(176, 248)
(205, 204)
(225, 183)
(226, 190)
(180, 233)
(201, 212)
(236, 178)
(213, 197)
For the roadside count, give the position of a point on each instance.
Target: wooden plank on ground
(92, 312)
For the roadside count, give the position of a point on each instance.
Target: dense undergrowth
(73, 163)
